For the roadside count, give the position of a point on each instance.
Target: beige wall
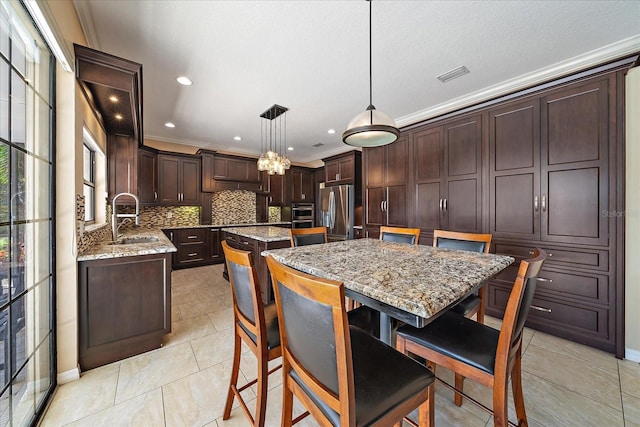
(632, 216)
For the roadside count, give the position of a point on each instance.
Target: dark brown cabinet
(192, 245)
(343, 168)
(122, 166)
(124, 307)
(225, 172)
(385, 191)
(179, 179)
(447, 181)
(215, 246)
(147, 176)
(302, 185)
(275, 186)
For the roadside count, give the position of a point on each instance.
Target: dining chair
(400, 234)
(308, 236)
(473, 304)
(340, 374)
(367, 318)
(254, 323)
(478, 352)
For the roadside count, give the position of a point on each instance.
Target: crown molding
(86, 22)
(599, 56)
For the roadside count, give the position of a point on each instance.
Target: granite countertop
(243, 224)
(261, 233)
(421, 280)
(105, 249)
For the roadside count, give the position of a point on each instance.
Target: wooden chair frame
(259, 348)
(508, 354)
(470, 237)
(400, 230)
(331, 292)
(305, 231)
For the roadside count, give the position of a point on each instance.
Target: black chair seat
(366, 319)
(271, 320)
(467, 305)
(478, 348)
(383, 379)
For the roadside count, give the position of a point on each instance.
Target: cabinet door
(302, 182)
(123, 166)
(374, 166)
(514, 171)
(396, 206)
(147, 176)
(395, 165)
(308, 186)
(574, 166)
(168, 179)
(208, 184)
(428, 170)
(463, 164)
(215, 245)
(190, 181)
(276, 189)
(346, 169)
(332, 172)
(375, 198)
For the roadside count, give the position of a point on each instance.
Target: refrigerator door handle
(332, 209)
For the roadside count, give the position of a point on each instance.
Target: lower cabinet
(124, 307)
(574, 293)
(195, 246)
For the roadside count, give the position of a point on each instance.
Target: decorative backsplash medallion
(233, 207)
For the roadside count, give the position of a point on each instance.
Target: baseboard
(632, 355)
(68, 376)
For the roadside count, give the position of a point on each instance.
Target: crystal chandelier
(272, 158)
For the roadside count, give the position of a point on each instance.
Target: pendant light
(371, 128)
(273, 160)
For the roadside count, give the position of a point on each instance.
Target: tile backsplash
(233, 207)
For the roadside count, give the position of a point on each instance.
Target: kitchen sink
(133, 240)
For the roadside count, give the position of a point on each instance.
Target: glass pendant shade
(273, 160)
(371, 128)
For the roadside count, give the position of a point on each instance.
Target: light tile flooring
(184, 383)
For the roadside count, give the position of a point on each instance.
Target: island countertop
(420, 280)
(240, 224)
(261, 233)
(107, 249)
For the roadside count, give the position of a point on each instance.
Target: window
(26, 218)
(89, 174)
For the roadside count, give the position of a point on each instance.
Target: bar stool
(479, 352)
(342, 375)
(256, 325)
(308, 236)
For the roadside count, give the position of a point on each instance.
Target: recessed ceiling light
(169, 125)
(184, 80)
(118, 116)
(453, 74)
(237, 138)
(331, 131)
(290, 148)
(113, 98)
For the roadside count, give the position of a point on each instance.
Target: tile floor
(184, 383)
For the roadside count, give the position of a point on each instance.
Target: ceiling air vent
(453, 74)
(318, 145)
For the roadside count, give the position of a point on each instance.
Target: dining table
(410, 283)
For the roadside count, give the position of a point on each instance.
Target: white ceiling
(312, 57)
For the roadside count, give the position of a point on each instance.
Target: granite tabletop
(421, 280)
(157, 243)
(261, 233)
(241, 224)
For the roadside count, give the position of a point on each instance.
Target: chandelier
(272, 158)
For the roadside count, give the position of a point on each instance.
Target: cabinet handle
(386, 205)
(382, 206)
(155, 195)
(193, 254)
(535, 203)
(440, 204)
(544, 203)
(303, 197)
(445, 204)
(542, 279)
(548, 254)
(337, 177)
(537, 307)
(171, 234)
(192, 237)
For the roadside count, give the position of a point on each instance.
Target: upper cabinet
(343, 168)
(302, 184)
(447, 176)
(275, 186)
(225, 172)
(179, 179)
(147, 175)
(113, 88)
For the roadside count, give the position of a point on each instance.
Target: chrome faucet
(115, 227)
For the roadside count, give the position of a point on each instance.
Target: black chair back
(399, 238)
(462, 245)
(239, 278)
(308, 239)
(528, 292)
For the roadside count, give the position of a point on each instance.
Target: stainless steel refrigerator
(336, 211)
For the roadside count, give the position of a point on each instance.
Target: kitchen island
(255, 240)
(124, 297)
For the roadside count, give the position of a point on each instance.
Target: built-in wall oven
(302, 215)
